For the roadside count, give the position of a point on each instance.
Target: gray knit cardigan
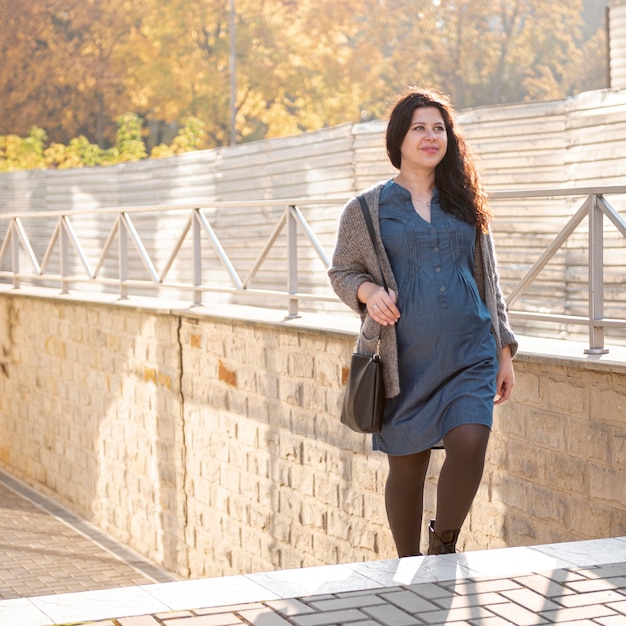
(354, 262)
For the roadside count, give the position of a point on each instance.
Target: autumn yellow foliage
(73, 67)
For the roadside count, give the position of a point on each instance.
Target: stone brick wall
(209, 441)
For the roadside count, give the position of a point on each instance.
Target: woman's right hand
(380, 304)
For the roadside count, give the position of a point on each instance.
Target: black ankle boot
(443, 543)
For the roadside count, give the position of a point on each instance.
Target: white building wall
(617, 43)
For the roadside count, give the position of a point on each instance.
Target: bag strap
(370, 229)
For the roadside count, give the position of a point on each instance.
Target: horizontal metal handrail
(152, 208)
(595, 207)
(124, 234)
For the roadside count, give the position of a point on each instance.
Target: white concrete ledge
(553, 351)
(553, 560)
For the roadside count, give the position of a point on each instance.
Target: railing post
(64, 257)
(15, 255)
(123, 257)
(596, 278)
(292, 262)
(197, 257)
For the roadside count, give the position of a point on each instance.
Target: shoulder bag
(364, 399)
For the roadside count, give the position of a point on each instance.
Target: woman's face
(426, 141)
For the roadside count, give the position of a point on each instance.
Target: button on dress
(446, 351)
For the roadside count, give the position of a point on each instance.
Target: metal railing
(595, 207)
(124, 233)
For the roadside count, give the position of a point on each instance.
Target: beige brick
(608, 404)
(364, 473)
(562, 394)
(278, 414)
(547, 504)
(350, 500)
(327, 371)
(332, 407)
(364, 537)
(487, 520)
(313, 513)
(237, 401)
(619, 448)
(254, 352)
(607, 485)
(528, 387)
(302, 479)
(238, 508)
(290, 504)
(290, 391)
(258, 408)
(251, 542)
(326, 490)
(546, 429)
(289, 558)
(313, 396)
(520, 530)
(588, 439)
(497, 450)
(511, 491)
(593, 517)
(237, 454)
(510, 420)
(291, 447)
(618, 524)
(566, 473)
(339, 524)
(303, 421)
(276, 360)
(300, 365)
(267, 384)
(526, 461)
(278, 471)
(234, 348)
(374, 508)
(314, 455)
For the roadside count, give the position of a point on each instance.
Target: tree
(65, 63)
(497, 51)
(73, 67)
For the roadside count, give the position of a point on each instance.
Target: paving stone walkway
(593, 596)
(46, 549)
(57, 570)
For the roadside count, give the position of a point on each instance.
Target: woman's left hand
(506, 377)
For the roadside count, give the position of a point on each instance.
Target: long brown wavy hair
(461, 192)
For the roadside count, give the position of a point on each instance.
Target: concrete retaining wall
(208, 440)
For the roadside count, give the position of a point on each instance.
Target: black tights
(460, 476)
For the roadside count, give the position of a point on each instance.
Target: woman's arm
(506, 334)
(505, 380)
(349, 268)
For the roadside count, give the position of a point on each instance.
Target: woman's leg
(461, 474)
(404, 494)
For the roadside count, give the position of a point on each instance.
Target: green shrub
(129, 145)
(192, 136)
(31, 152)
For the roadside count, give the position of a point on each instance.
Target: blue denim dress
(447, 354)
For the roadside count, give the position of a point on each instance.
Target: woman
(445, 341)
